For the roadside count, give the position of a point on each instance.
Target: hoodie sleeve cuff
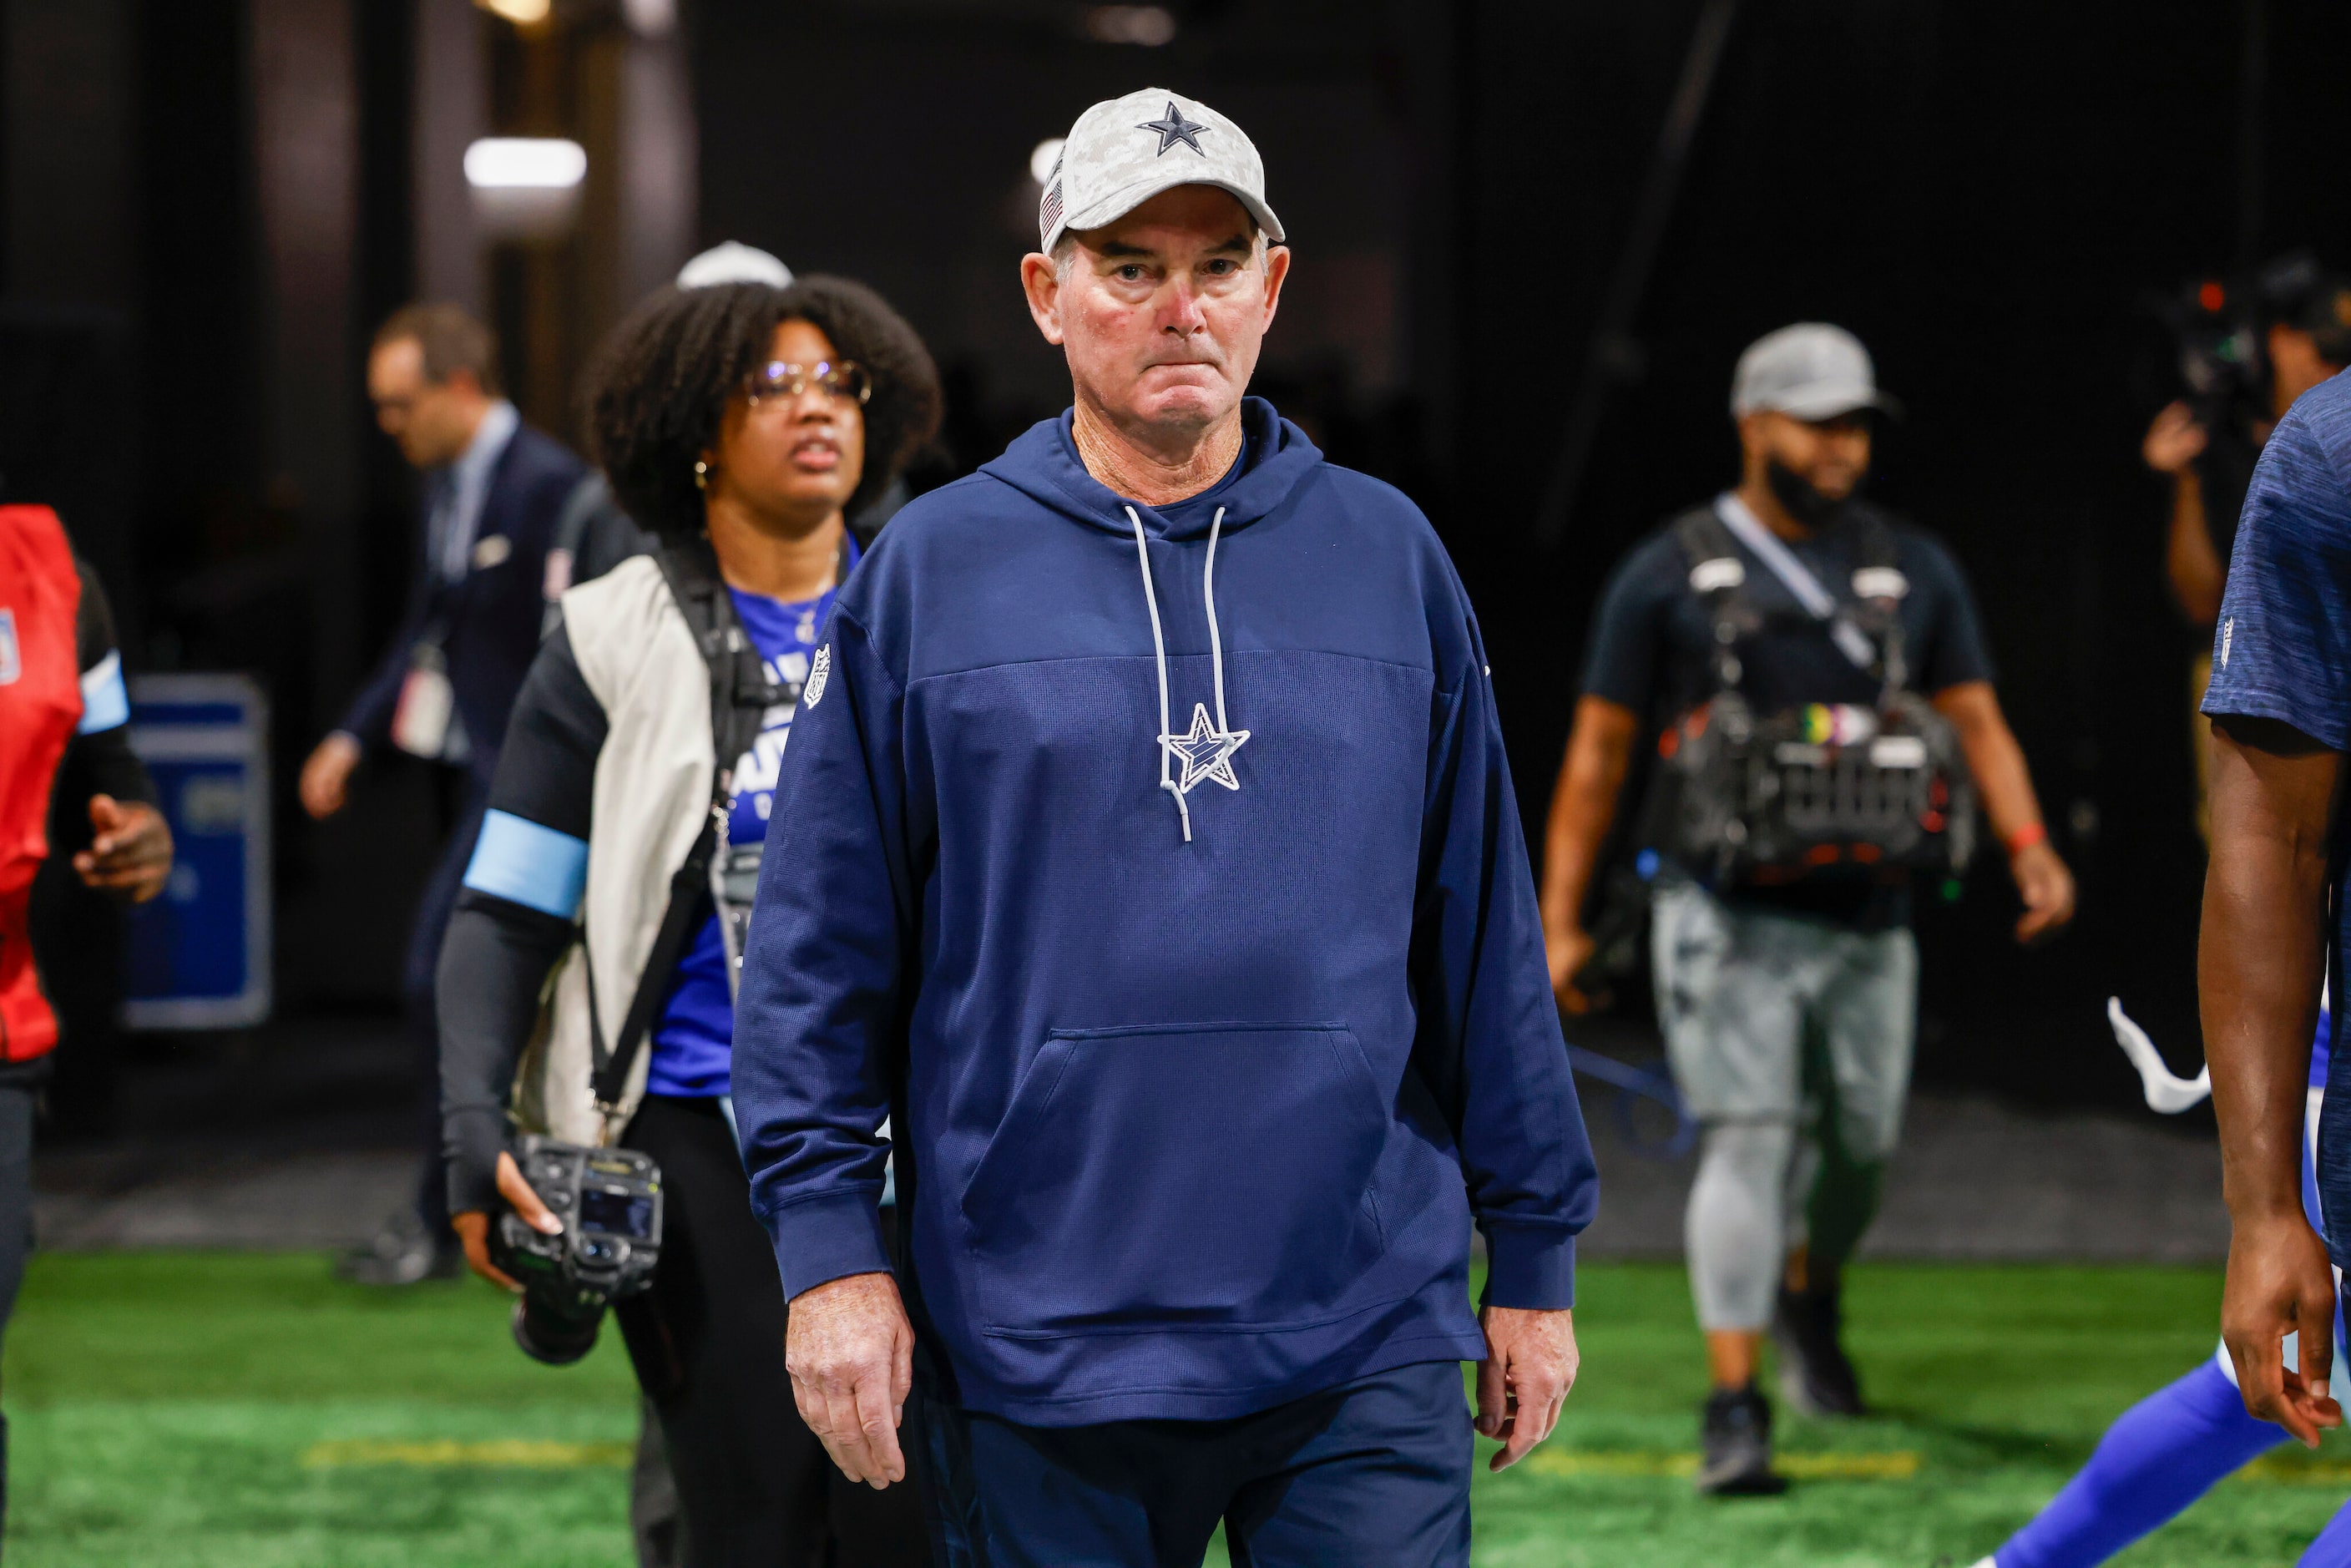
(1529, 1267)
(829, 1238)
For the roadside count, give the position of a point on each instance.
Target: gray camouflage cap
(1121, 153)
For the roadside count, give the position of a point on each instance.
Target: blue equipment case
(199, 953)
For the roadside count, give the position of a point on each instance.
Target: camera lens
(551, 1335)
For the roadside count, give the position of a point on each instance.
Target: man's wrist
(839, 1281)
(2031, 836)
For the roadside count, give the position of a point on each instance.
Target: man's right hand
(473, 1226)
(851, 1353)
(1568, 951)
(2279, 1283)
(2175, 441)
(326, 776)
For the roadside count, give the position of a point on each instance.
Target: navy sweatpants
(418, 972)
(1376, 1470)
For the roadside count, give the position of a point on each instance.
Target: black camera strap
(740, 697)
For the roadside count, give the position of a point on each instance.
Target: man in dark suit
(496, 492)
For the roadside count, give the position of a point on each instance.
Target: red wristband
(2024, 838)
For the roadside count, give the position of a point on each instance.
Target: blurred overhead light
(521, 13)
(1042, 160)
(525, 187)
(524, 163)
(1150, 25)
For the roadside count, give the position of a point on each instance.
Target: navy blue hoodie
(1199, 1089)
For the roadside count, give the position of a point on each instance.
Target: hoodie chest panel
(1038, 587)
(1057, 854)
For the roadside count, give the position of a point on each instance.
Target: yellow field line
(1900, 1465)
(511, 1453)
(2278, 1470)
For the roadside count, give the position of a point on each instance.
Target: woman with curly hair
(597, 939)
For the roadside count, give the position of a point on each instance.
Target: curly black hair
(660, 382)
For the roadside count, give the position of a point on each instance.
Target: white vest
(651, 797)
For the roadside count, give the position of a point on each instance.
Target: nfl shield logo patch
(11, 664)
(818, 673)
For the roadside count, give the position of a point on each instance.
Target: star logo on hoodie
(1206, 751)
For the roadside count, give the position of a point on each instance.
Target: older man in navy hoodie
(1146, 854)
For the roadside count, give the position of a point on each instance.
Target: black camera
(2220, 362)
(609, 1201)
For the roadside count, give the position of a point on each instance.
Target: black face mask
(1804, 503)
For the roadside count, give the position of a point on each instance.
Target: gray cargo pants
(1777, 1025)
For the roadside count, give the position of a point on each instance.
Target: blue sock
(2333, 1547)
(2159, 1456)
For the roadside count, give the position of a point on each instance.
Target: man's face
(432, 422)
(1830, 455)
(1161, 313)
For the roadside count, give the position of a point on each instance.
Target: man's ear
(1754, 436)
(464, 383)
(1040, 283)
(1277, 268)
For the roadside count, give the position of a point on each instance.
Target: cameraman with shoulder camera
(1788, 605)
(598, 936)
(2208, 447)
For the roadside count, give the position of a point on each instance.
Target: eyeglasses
(843, 379)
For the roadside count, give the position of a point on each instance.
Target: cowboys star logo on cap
(1173, 128)
(1115, 159)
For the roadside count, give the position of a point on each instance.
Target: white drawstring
(1159, 649)
(1216, 643)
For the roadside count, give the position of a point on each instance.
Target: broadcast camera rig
(1748, 798)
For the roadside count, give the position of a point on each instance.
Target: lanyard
(1818, 601)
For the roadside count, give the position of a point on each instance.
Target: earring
(701, 474)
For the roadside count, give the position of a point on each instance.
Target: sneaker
(402, 1254)
(1815, 1376)
(1738, 1443)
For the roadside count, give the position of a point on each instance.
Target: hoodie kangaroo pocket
(1196, 1176)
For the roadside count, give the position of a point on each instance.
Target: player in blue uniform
(2281, 708)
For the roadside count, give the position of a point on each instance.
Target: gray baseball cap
(1121, 153)
(1809, 370)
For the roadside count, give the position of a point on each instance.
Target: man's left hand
(131, 852)
(2047, 889)
(1530, 1365)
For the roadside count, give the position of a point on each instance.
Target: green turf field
(172, 1410)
